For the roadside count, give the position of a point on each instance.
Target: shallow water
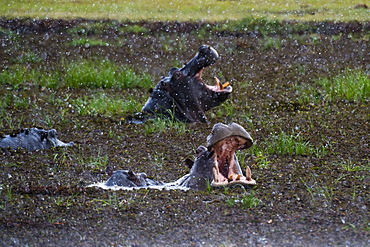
(319, 199)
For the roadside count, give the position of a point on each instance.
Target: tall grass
(165, 125)
(103, 74)
(284, 143)
(103, 104)
(351, 85)
(21, 74)
(77, 74)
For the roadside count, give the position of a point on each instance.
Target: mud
(304, 200)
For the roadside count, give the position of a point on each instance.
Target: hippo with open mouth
(183, 93)
(215, 165)
(32, 139)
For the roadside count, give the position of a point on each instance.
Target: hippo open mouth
(226, 169)
(215, 165)
(223, 141)
(183, 94)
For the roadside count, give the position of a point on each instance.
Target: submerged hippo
(183, 93)
(215, 165)
(32, 139)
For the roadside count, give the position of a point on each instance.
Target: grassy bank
(209, 10)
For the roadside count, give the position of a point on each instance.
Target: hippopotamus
(183, 94)
(32, 139)
(127, 178)
(215, 165)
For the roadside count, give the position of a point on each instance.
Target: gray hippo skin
(127, 178)
(32, 139)
(183, 93)
(215, 165)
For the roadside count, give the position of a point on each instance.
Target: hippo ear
(173, 70)
(189, 163)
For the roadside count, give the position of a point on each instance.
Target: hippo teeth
(220, 85)
(248, 174)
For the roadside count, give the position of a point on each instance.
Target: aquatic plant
(132, 29)
(91, 27)
(103, 104)
(349, 85)
(87, 42)
(282, 144)
(20, 74)
(163, 125)
(88, 73)
(247, 200)
(103, 74)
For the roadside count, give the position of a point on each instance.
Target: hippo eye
(177, 75)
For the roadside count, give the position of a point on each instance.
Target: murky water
(317, 198)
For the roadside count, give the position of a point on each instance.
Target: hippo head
(32, 139)
(183, 94)
(126, 178)
(217, 163)
(52, 140)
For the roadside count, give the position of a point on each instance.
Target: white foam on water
(166, 186)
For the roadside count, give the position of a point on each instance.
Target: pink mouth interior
(226, 171)
(215, 88)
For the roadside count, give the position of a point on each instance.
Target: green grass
(105, 105)
(77, 74)
(104, 74)
(209, 10)
(22, 74)
(247, 200)
(165, 125)
(351, 166)
(350, 85)
(89, 42)
(283, 144)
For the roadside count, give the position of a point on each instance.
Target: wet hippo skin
(32, 139)
(215, 165)
(183, 93)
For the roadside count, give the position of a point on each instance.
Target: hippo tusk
(220, 85)
(248, 174)
(226, 84)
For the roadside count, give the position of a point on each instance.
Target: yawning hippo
(32, 139)
(183, 93)
(214, 165)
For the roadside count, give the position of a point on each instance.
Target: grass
(163, 125)
(350, 85)
(103, 104)
(247, 200)
(209, 10)
(351, 166)
(88, 42)
(103, 74)
(283, 143)
(77, 74)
